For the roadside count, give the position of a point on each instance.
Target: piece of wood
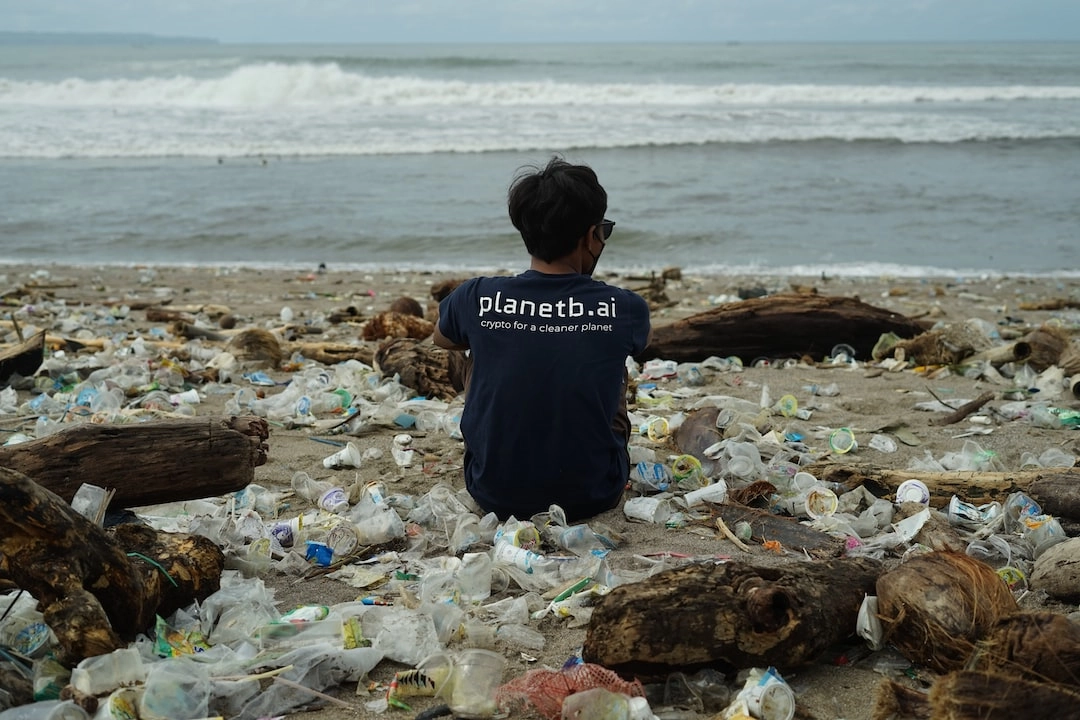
(430, 370)
(147, 463)
(966, 409)
(96, 589)
(22, 359)
(788, 325)
(969, 485)
(789, 532)
(732, 615)
(330, 353)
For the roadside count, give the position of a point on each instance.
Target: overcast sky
(555, 20)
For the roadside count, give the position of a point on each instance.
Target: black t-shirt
(549, 357)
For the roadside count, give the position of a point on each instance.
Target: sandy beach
(86, 302)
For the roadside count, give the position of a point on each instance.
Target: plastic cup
(842, 440)
(348, 456)
(821, 502)
(477, 675)
(647, 509)
(771, 699)
(714, 493)
(334, 500)
(803, 481)
(913, 491)
(287, 531)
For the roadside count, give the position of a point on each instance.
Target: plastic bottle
(603, 704)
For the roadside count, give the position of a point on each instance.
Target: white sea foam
(278, 85)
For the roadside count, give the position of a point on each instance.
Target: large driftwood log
(23, 359)
(735, 614)
(96, 589)
(430, 370)
(971, 486)
(778, 326)
(146, 463)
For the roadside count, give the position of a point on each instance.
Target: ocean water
(860, 159)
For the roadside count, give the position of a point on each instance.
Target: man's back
(548, 353)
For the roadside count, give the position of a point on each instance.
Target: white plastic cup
(913, 491)
(287, 531)
(821, 502)
(771, 699)
(348, 456)
(714, 493)
(334, 500)
(647, 509)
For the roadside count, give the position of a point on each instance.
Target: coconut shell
(257, 347)
(1057, 571)
(972, 695)
(934, 607)
(1040, 646)
(407, 306)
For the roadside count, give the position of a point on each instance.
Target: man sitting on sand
(545, 407)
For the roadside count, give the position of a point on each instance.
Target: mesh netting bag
(545, 689)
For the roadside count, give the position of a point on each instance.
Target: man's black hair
(553, 207)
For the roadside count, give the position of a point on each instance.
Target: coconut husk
(1070, 360)
(973, 695)
(893, 701)
(441, 289)
(948, 345)
(257, 347)
(397, 325)
(1039, 646)
(1047, 344)
(936, 606)
(407, 306)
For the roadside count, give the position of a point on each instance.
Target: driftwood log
(22, 359)
(430, 370)
(96, 589)
(789, 532)
(146, 463)
(971, 486)
(787, 325)
(735, 614)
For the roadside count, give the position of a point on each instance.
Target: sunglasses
(606, 228)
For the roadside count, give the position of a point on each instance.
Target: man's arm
(444, 342)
